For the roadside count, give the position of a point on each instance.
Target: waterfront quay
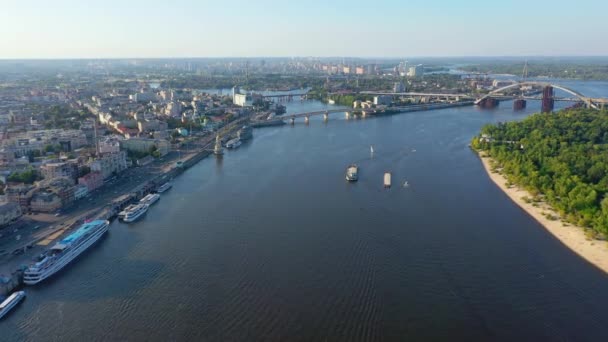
(32, 234)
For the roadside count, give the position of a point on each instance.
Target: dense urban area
(71, 128)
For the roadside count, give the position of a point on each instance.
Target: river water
(271, 243)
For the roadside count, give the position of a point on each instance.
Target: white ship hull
(153, 200)
(11, 302)
(150, 199)
(164, 187)
(132, 218)
(32, 277)
(352, 173)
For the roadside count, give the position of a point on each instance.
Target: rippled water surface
(271, 243)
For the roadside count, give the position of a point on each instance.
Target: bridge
(595, 103)
(284, 97)
(491, 97)
(363, 112)
(418, 94)
(547, 99)
(413, 94)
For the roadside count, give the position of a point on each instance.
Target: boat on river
(150, 199)
(65, 251)
(136, 213)
(164, 187)
(9, 303)
(387, 179)
(352, 173)
(130, 207)
(233, 143)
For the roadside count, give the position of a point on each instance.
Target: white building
(143, 97)
(416, 71)
(383, 100)
(242, 100)
(174, 109)
(110, 163)
(152, 125)
(109, 145)
(167, 95)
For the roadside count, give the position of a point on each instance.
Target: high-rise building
(416, 71)
(403, 69)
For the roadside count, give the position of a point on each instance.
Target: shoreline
(573, 237)
(104, 210)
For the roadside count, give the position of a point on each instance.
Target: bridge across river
(363, 112)
(499, 93)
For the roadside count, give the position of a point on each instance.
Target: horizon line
(3, 59)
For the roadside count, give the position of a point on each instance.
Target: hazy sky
(231, 28)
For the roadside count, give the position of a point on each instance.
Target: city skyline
(190, 29)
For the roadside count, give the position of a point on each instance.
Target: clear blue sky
(231, 28)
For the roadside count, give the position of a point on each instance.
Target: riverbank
(12, 265)
(594, 251)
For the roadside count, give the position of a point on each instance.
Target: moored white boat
(65, 251)
(234, 143)
(136, 213)
(164, 187)
(150, 199)
(9, 303)
(126, 210)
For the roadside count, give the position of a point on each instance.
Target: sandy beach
(594, 251)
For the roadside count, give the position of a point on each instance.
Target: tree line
(561, 157)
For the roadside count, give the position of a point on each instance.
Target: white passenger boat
(387, 179)
(65, 251)
(352, 173)
(122, 214)
(136, 213)
(150, 199)
(164, 187)
(9, 303)
(234, 143)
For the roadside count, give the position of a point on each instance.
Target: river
(271, 243)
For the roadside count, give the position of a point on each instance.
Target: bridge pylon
(306, 119)
(292, 121)
(325, 116)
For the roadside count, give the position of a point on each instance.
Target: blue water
(271, 243)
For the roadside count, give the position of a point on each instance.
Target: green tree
(563, 156)
(27, 176)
